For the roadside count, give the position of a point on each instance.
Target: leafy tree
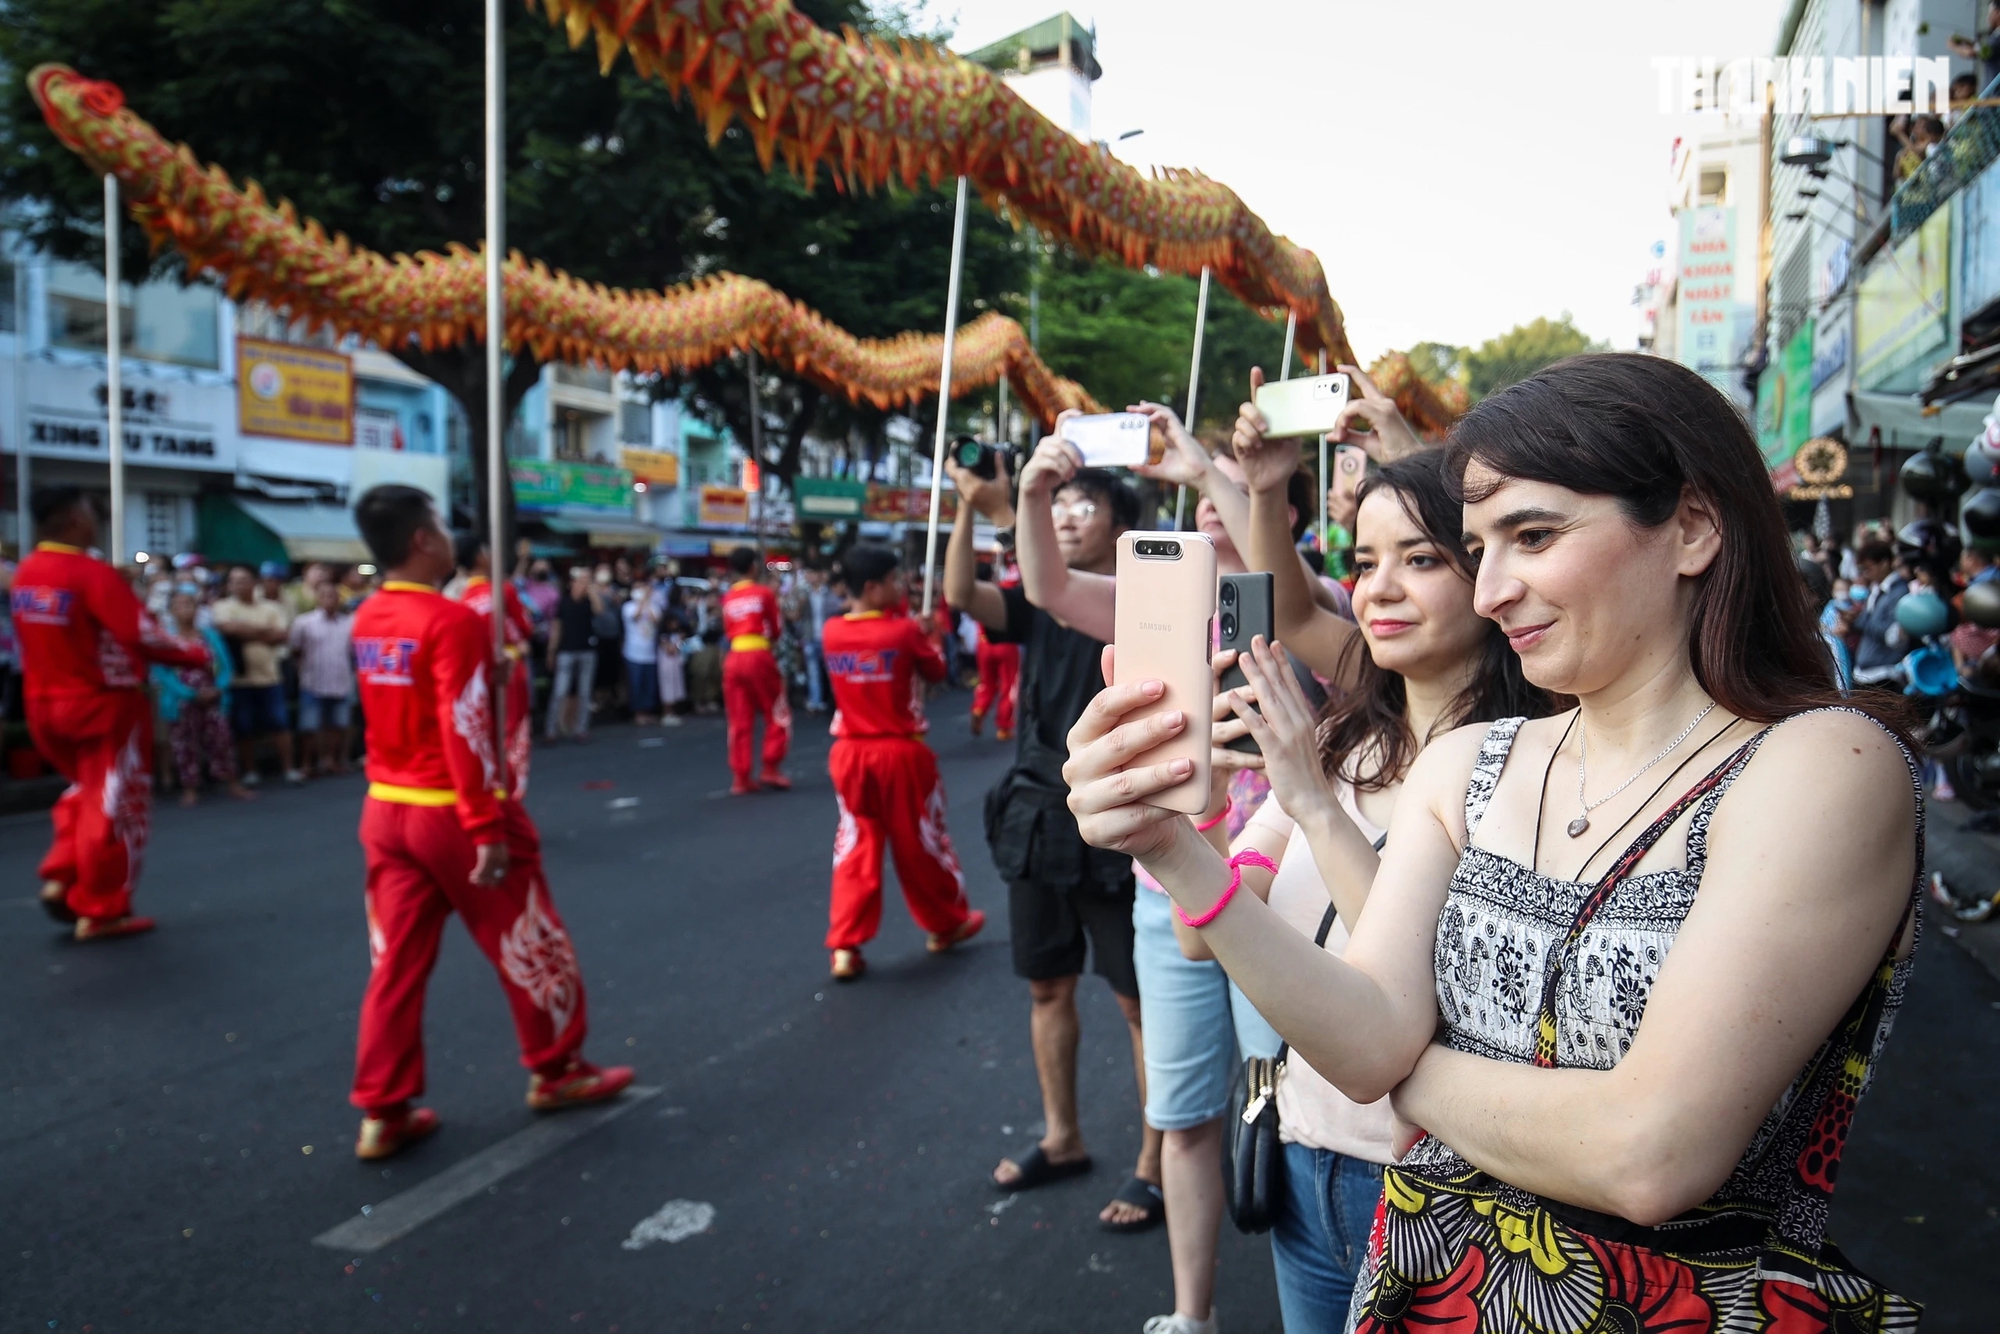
(368, 115)
(1438, 363)
(1513, 356)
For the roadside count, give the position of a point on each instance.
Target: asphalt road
(175, 1130)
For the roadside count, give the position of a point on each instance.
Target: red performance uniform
(85, 640)
(885, 779)
(751, 682)
(421, 662)
(999, 678)
(478, 599)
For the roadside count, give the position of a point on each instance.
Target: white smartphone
(1310, 406)
(1113, 439)
(1166, 600)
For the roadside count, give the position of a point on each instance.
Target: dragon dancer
(440, 836)
(752, 685)
(84, 641)
(885, 777)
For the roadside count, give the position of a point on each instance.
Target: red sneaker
(772, 778)
(1003, 735)
(382, 1136)
(974, 923)
(107, 928)
(848, 965)
(577, 1086)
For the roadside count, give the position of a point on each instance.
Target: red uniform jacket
(420, 660)
(750, 615)
(874, 661)
(82, 631)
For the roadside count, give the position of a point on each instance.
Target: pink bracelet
(1247, 857)
(1228, 805)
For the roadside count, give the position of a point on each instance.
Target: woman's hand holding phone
(1267, 465)
(1285, 729)
(1107, 798)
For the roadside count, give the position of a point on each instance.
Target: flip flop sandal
(1037, 1170)
(1143, 1195)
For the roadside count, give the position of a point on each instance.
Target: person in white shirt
(641, 615)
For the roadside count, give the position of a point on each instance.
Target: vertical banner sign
(1710, 324)
(294, 393)
(1798, 389)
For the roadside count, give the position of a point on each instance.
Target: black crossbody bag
(1256, 1166)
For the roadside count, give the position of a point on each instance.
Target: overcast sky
(1458, 167)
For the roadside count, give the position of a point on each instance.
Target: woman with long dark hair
(1424, 662)
(1633, 1096)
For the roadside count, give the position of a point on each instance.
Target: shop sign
(908, 504)
(164, 424)
(377, 428)
(1710, 318)
(651, 466)
(553, 483)
(1820, 465)
(1798, 388)
(724, 507)
(831, 498)
(294, 393)
(1902, 313)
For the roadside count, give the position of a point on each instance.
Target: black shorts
(1050, 925)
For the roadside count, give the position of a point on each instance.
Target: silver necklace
(1581, 823)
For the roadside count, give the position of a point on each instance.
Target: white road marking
(623, 803)
(400, 1215)
(1006, 1203)
(676, 1220)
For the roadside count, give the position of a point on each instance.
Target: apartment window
(7, 273)
(572, 436)
(158, 321)
(163, 523)
(1714, 186)
(583, 377)
(635, 424)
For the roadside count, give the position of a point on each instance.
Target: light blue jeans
(1320, 1237)
(1195, 1021)
(815, 675)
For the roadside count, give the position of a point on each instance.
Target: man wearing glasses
(1065, 899)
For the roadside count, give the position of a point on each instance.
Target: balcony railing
(1971, 147)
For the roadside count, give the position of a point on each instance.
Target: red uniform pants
(102, 743)
(889, 786)
(418, 863)
(520, 728)
(999, 675)
(752, 685)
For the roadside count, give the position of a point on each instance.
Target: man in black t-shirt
(572, 658)
(1065, 898)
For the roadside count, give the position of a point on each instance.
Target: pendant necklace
(1576, 827)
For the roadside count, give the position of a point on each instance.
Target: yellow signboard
(1901, 319)
(651, 466)
(725, 506)
(294, 393)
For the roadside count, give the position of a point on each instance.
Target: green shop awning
(240, 530)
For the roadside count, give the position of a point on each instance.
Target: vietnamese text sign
(831, 497)
(724, 506)
(553, 483)
(1710, 320)
(651, 466)
(909, 504)
(294, 393)
(1900, 320)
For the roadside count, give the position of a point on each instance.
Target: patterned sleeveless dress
(1455, 1249)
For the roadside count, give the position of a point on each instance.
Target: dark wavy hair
(1648, 431)
(1365, 735)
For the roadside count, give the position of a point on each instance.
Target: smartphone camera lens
(1228, 626)
(1229, 595)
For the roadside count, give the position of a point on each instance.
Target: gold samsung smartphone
(1309, 406)
(1166, 599)
(1114, 439)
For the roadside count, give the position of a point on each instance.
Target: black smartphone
(1243, 608)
